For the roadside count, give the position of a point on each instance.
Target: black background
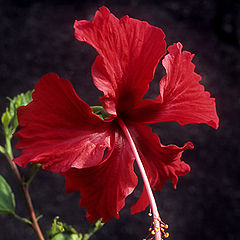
(36, 37)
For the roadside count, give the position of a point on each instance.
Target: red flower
(60, 131)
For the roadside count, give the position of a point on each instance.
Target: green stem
(8, 147)
(23, 220)
(93, 229)
(31, 174)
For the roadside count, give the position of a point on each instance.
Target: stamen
(152, 201)
(150, 213)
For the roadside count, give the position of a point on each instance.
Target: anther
(166, 235)
(150, 213)
(163, 225)
(153, 232)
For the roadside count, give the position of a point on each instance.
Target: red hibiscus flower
(60, 131)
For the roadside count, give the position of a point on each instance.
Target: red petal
(129, 53)
(103, 188)
(182, 98)
(59, 130)
(142, 202)
(161, 162)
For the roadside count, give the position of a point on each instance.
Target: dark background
(36, 37)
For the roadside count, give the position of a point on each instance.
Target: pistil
(156, 218)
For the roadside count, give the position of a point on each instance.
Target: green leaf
(6, 118)
(62, 231)
(20, 100)
(64, 236)
(9, 118)
(7, 200)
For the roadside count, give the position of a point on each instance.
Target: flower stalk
(25, 188)
(156, 217)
